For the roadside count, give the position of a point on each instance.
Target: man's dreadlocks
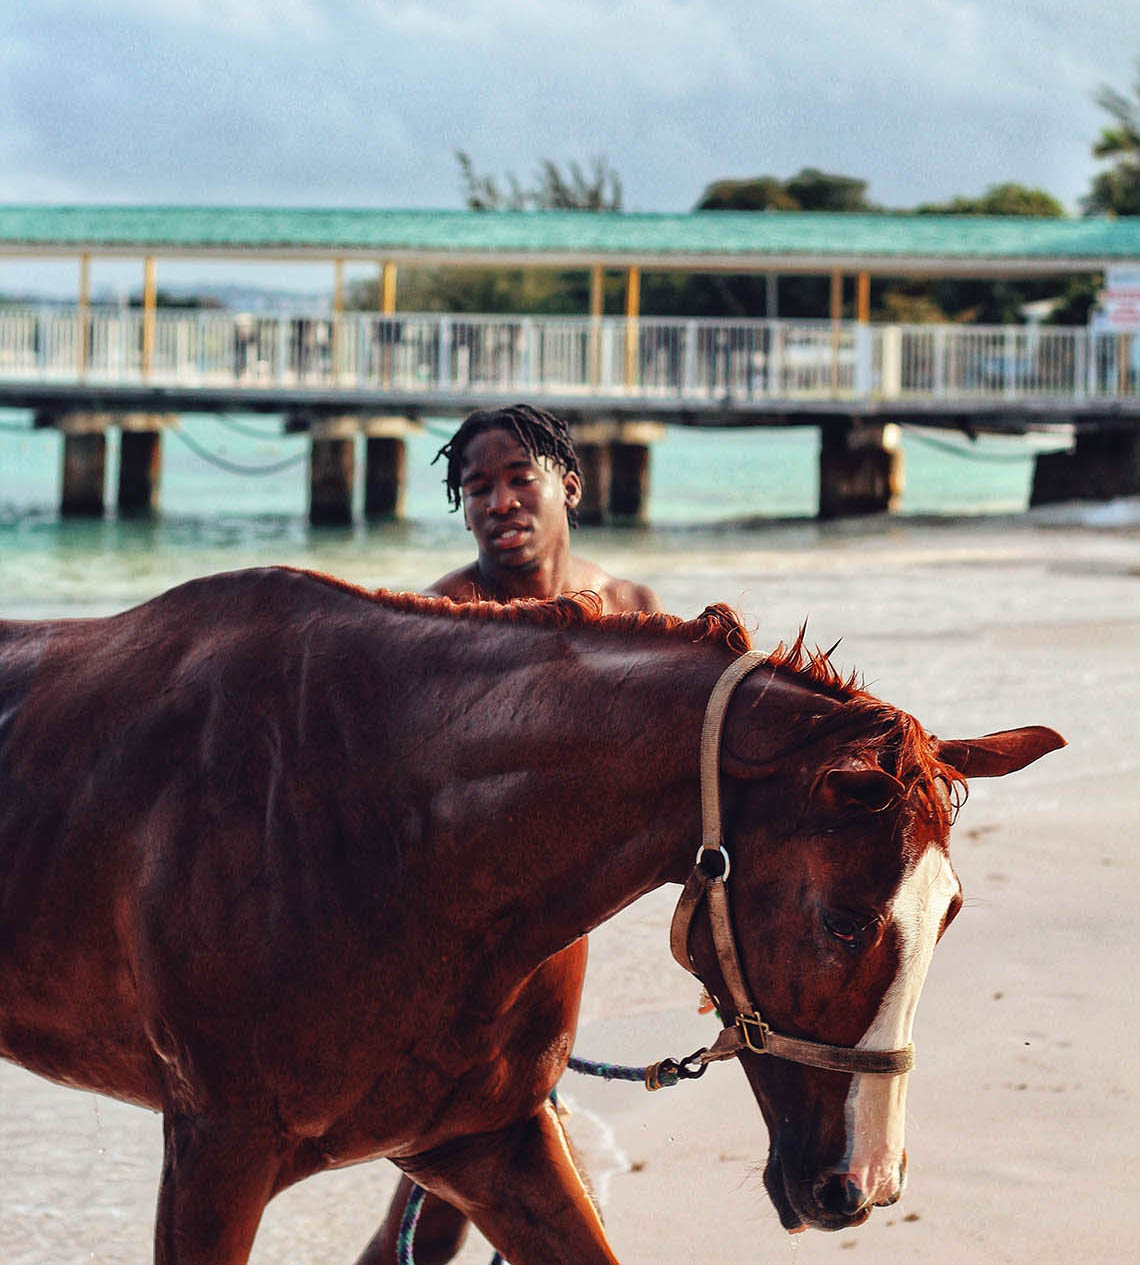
(540, 433)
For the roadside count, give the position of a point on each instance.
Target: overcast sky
(352, 102)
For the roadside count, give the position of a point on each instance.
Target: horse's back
(228, 817)
(142, 758)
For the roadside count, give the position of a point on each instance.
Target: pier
(84, 372)
(618, 379)
(377, 376)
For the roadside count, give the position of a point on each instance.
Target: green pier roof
(716, 240)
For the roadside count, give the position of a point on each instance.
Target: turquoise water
(707, 487)
(698, 476)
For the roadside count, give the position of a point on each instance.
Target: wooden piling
(629, 480)
(84, 464)
(592, 444)
(385, 469)
(140, 462)
(1103, 463)
(332, 470)
(860, 468)
(385, 465)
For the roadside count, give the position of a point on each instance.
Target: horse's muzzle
(830, 1201)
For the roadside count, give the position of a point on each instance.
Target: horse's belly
(117, 1064)
(495, 1077)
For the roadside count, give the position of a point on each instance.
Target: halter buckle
(755, 1032)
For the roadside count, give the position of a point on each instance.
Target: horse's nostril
(839, 1195)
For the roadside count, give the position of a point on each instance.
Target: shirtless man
(516, 476)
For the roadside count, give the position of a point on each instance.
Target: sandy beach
(1025, 1103)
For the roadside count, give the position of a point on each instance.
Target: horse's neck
(607, 805)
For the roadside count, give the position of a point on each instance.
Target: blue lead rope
(411, 1217)
(408, 1224)
(607, 1071)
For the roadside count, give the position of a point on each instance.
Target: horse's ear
(1000, 753)
(872, 789)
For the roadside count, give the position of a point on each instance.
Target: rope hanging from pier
(940, 445)
(233, 467)
(252, 432)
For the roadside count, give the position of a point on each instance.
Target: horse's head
(836, 818)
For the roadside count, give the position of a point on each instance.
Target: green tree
(597, 189)
(167, 299)
(999, 199)
(600, 190)
(817, 190)
(765, 193)
(501, 291)
(519, 291)
(1117, 190)
(484, 193)
(808, 190)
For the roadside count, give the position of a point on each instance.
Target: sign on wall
(1119, 301)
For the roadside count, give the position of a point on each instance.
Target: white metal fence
(734, 362)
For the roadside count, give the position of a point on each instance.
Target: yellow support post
(597, 308)
(386, 333)
(337, 311)
(863, 298)
(597, 291)
(632, 313)
(837, 296)
(338, 287)
(150, 296)
(387, 287)
(84, 312)
(836, 317)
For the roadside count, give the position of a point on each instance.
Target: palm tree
(1117, 190)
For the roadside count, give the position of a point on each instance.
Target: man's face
(515, 505)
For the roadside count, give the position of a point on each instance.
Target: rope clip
(670, 1072)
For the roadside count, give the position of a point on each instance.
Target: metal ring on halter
(720, 851)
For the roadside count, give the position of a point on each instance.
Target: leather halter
(707, 883)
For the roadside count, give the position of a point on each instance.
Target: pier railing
(738, 362)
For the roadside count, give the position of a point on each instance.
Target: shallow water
(714, 494)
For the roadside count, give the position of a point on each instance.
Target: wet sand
(1024, 1105)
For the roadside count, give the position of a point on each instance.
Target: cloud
(311, 101)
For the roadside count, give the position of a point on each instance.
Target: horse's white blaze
(876, 1105)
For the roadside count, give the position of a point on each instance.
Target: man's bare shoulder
(616, 594)
(625, 595)
(461, 585)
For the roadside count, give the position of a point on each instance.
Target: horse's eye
(844, 927)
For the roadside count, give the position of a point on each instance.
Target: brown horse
(309, 870)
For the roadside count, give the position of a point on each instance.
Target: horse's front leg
(218, 1173)
(522, 1188)
(440, 1230)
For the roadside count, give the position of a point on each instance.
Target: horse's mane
(867, 729)
(717, 623)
